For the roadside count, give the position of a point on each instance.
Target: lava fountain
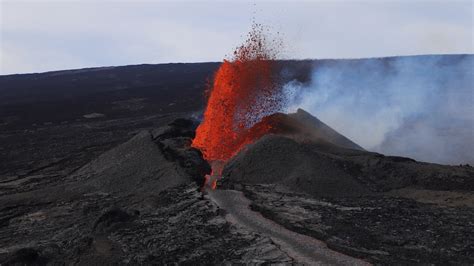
(244, 90)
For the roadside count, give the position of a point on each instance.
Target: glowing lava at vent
(245, 89)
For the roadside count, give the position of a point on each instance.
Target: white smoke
(420, 106)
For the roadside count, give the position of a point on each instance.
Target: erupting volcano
(245, 89)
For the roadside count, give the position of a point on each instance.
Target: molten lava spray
(245, 89)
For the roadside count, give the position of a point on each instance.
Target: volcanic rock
(125, 188)
(315, 159)
(319, 130)
(281, 160)
(131, 165)
(364, 204)
(381, 229)
(138, 203)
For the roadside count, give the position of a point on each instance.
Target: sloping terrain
(316, 129)
(40, 156)
(117, 92)
(136, 203)
(95, 168)
(358, 201)
(140, 202)
(32, 100)
(321, 168)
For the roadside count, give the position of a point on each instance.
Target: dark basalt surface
(45, 155)
(96, 168)
(321, 168)
(358, 201)
(380, 229)
(115, 92)
(175, 226)
(139, 202)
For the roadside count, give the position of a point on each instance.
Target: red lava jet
(245, 89)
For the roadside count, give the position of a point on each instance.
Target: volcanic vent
(245, 89)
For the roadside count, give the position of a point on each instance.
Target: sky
(39, 36)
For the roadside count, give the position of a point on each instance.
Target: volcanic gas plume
(245, 89)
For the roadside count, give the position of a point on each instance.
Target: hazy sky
(41, 35)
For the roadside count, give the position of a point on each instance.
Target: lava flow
(245, 89)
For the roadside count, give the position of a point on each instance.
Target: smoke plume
(418, 106)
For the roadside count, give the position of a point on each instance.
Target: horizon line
(215, 62)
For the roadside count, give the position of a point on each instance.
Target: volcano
(307, 155)
(126, 187)
(303, 126)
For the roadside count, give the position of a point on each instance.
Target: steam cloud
(420, 106)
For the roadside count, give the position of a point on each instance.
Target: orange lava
(245, 89)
